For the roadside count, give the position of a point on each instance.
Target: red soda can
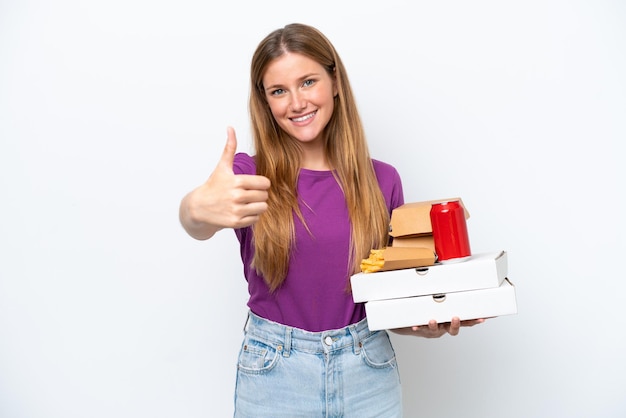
(450, 232)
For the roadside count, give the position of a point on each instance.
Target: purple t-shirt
(313, 296)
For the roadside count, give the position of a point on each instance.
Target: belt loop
(355, 338)
(245, 325)
(287, 348)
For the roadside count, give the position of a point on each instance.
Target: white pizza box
(419, 310)
(480, 271)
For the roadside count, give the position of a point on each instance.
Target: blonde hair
(278, 158)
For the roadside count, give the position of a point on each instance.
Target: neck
(314, 159)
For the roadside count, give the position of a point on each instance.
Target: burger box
(442, 307)
(480, 271)
(410, 224)
(397, 258)
(422, 241)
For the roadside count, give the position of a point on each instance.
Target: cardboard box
(412, 220)
(422, 241)
(419, 310)
(403, 258)
(482, 270)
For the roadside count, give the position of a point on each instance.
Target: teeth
(303, 118)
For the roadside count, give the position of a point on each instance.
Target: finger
(254, 195)
(253, 209)
(228, 155)
(455, 326)
(254, 183)
(472, 322)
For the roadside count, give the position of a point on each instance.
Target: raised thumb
(228, 155)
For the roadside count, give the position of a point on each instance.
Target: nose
(298, 102)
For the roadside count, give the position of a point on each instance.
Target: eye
(308, 83)
(277, 92)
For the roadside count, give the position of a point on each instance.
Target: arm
(192, 221)
(225, 200)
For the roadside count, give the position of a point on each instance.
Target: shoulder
(390, 183)
(244, 164)
(384, 170)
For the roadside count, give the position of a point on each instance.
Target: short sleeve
(244, 164)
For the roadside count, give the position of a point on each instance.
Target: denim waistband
(289, 338)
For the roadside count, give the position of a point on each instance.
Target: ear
(335, 90)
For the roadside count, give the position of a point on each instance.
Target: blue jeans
(289, 372)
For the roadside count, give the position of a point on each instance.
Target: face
(300, 94)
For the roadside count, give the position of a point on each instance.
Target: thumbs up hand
(225, 200)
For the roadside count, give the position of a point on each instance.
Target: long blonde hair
(278, 158)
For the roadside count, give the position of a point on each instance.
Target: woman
(306, 208)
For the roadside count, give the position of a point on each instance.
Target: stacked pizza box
(412, 287)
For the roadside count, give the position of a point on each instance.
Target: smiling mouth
(305, 117)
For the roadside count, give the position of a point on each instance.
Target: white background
(111, 111)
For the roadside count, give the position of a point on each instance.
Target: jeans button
(328, 341)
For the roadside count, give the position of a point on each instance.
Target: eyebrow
(301, 79)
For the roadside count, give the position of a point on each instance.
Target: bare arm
(191, 221)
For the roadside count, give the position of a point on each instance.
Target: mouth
(304, 118)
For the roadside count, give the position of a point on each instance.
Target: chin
(306, 137)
